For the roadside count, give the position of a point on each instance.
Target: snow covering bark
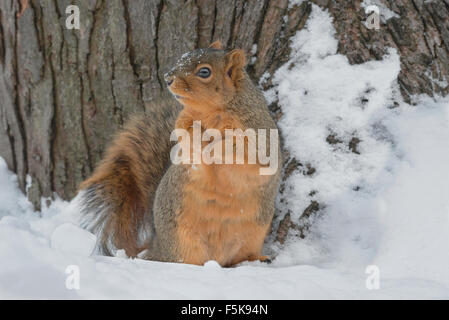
(384, 200)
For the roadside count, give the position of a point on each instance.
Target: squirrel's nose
(169, 81)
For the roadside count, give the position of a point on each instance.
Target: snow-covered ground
(385, 219)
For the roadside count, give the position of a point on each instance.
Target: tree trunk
(65, 92)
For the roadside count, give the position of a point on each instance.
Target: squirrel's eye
(203, 73)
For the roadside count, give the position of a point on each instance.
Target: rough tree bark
(63, 93)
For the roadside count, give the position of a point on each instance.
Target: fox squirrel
(139, 201)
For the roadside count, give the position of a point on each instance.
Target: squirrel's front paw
(265, 259)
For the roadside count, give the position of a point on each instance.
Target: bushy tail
(116, 201)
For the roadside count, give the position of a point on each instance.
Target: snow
(320, 95)
(293, 3)
(71, 238)
(386, 208)
(379, 8)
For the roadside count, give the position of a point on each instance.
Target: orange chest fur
(221, 191)
(220, 206)
(218, 221)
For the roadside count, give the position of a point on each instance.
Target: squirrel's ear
(216, 45)
(236, 62)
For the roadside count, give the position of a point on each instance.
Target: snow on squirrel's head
(206, 78)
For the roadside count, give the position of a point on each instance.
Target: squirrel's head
(207, 78)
